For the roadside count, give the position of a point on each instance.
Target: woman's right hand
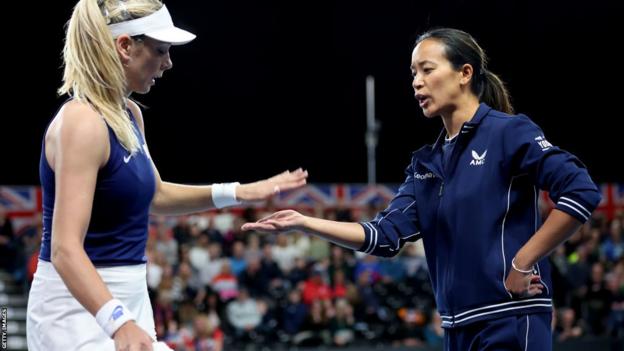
(278, 222)
(130, 337)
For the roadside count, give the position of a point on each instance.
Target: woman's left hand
(264, 189)
(523, 284)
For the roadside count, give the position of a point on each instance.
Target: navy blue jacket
(477, 212)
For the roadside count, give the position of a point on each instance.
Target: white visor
(158, 25)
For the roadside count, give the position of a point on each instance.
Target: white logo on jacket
(478, 160)
(424, 176)
(543, 143)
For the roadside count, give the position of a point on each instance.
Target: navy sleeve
(396, 225)
(554, 170)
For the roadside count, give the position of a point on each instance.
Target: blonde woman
(100, 184)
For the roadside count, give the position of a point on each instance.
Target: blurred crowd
(214, 287)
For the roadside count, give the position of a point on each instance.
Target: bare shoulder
(138, 115)
(78, 127)
(81, 122)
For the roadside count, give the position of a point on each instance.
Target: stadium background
(275, 85)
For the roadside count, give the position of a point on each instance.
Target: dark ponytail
(495, 94)
(461, 48)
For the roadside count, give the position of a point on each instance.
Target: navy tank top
(117, 233)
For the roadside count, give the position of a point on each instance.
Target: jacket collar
(425, 153)
(482, 111)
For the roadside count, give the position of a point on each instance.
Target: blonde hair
(93, 71)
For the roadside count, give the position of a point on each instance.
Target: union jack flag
(309, 195)
(612, 199)
(22, 204)
(18, 200)
(362, 194)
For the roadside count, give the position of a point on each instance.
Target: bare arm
(384, 236)
(557, 228)
(345, 234)
(77, 146)
(177, 199)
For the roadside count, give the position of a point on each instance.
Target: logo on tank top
(145, 151)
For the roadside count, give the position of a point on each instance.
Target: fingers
(143, 346)
(262, 227)
(269, 224)
(527, 287)
(275, 224)
(291, 176)
(272, 215)
(534, 290)
(161, 346)
(293, 184)
(286, 180)
(139, 347)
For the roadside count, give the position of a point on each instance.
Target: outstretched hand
(264, 189)
(277, 222)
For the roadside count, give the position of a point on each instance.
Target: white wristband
(113, 315)
(224, 195)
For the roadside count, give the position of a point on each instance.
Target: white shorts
(56, 321)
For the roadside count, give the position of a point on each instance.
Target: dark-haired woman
(472, 197)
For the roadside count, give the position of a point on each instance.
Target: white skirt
(56, 321)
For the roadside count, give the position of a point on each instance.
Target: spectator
(295, 313)
(208, 337)
(299, 273)
(237, 261)
(165, 243)
(284, 253)
(568, 328)
(315, 288)
(316, 326)
(341, 325)
(341, 260)
(7, 247)
(597, 301)
(412, 329)
(225, 283)
(615, 284)
(244, 316)
(613, 246)
(254, 279)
